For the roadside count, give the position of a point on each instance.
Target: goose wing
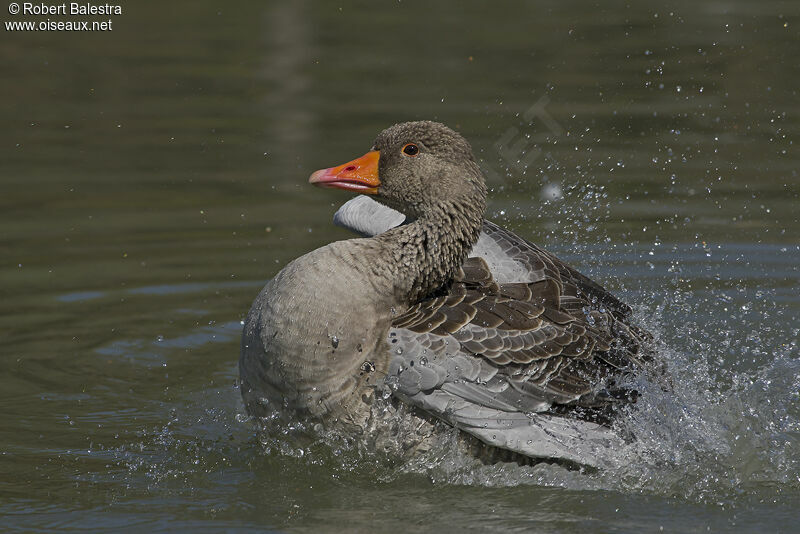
(518, 340)
(507, 361)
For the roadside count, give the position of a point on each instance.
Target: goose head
(414, 167)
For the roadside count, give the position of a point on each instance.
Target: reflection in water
(166, 289)
(155, 349)
(287, 40)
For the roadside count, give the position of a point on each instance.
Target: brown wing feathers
(542, 334)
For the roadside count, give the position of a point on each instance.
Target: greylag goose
(446, 312)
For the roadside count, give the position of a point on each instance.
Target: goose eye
(410, 149)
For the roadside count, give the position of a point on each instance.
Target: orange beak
(359, 175)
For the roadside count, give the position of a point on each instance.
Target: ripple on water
(155, 348)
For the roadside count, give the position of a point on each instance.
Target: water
(153, 178)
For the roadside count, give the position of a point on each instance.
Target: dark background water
(154, 176)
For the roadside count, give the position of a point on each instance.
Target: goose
(447, 313)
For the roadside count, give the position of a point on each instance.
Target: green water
(153, 177)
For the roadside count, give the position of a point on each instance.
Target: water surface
(153, 177)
